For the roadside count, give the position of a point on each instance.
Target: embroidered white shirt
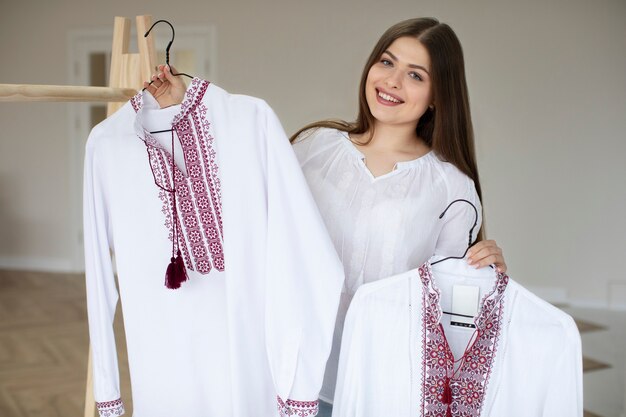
(254, 322)
(385, 225)
(399, 351)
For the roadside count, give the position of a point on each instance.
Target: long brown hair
(446, 129)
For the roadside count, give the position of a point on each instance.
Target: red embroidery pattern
(198, 195)
(297, 408)
(161, 168)
(215, 235)
(463, 390)
(110, 408)
(137, 102)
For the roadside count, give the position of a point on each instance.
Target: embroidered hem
(297, 408)
(111, 408)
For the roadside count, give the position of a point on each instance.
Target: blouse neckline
(399, 166)
(144, 101)
(489, 301)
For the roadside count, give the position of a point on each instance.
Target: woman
(382, 181)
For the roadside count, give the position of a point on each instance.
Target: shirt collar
(490, 301)
(143, 100)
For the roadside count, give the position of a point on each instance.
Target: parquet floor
(44, 342)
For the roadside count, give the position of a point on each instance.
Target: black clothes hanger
(469, 244)
(469, 239)
(167, 59)
(167, 49)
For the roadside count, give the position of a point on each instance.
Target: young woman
(382, 181)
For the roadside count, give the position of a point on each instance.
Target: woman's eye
(415, 76)
(385, 62)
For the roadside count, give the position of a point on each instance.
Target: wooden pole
(32, 92)
(128, 71)
(147, 53)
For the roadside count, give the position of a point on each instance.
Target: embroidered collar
(461, 392)
(192, 204)
(143, 100)
(487, 305)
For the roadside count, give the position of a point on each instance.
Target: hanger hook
(469, 242)
(169, 45)
(471, 231)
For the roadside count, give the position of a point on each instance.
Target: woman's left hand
(484, 253)
(165, 87)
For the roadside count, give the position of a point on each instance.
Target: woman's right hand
(166, 88)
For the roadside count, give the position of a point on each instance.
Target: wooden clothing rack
(127, 73)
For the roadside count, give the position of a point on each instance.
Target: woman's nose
(394, 80)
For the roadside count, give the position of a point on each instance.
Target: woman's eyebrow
(410, 65)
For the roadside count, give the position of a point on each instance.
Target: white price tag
(465, 303)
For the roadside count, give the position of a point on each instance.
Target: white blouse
(384, 225)
(254, 321)
(402, 357)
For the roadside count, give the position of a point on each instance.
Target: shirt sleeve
(459, 218)
(348, 391)
(304, 279)
(564, 396)
(102, 294)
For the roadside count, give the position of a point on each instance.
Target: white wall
(547, 85)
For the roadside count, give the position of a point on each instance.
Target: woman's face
(398, 86)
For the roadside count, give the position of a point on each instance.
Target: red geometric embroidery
(137, 102)
(297, 408)
(198, 196)
(110, 408)
(460, 393)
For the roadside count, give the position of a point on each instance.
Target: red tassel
(176, 272)
(449, 412)
(181, 271)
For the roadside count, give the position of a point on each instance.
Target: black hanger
(469, 239)
(167, 58)
(469, 244)
(167, 49)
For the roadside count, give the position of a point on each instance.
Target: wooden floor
(44, 344)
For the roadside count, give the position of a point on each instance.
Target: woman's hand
(486, 252)
(166, 88)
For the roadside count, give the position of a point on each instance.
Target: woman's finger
(489, 260)
(176, 81)
(168, 73)
(481, 250)
(149, 87)
(156, 84)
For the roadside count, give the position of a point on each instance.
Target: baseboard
(37, 264)
(617, 295)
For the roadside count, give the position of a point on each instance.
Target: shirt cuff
(110, 408)
(297, 408)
